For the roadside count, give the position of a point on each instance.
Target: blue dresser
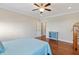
(53, 35)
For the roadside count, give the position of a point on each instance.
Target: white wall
(63, 25)
(14, 25)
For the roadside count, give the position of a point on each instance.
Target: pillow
(1, 48)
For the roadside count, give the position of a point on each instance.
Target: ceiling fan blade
(47, 4)
(36, 5)
(48, 9)
(34, 9)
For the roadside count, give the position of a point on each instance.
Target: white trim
(61, 14)
(65, 40)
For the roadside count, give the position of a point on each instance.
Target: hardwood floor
(62, 48)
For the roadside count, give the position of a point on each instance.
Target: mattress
(26, 46)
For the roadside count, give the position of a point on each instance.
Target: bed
(28, 46)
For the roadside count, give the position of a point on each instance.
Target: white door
(40, 29)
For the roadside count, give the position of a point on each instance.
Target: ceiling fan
(42, 7)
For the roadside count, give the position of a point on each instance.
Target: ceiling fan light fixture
(41, 9)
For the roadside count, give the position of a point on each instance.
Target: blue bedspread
(26, 47)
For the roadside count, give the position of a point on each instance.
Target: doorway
(41, 30)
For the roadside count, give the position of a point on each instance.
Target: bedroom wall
(64, 25)
(14, 25)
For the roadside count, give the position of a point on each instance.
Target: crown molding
(62, 14)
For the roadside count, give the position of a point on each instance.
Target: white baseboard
(65, 40)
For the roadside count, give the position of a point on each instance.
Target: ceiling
(26, 9)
